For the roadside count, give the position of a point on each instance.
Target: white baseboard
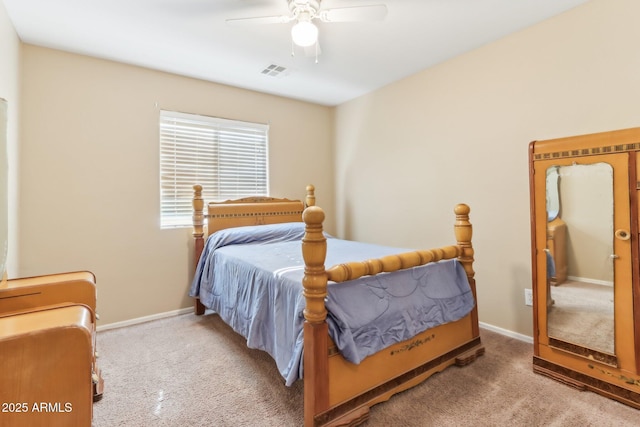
(187, 310)
(592, 281)
(144, 319)
(507, 332)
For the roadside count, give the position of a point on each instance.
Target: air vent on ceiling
(274, 70)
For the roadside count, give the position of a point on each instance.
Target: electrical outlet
(528, 297)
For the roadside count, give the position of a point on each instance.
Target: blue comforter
(252, 277)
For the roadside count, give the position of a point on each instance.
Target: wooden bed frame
(337, 392)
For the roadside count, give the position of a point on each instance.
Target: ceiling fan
(303, 12)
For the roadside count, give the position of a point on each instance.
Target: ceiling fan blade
(375, 12)
(279, 19)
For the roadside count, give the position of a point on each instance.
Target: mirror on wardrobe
(580, 242)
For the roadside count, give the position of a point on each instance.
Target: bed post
(198, 234)
(310, 199)
(464, 231)
(314, 251)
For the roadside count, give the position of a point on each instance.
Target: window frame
(229, 158)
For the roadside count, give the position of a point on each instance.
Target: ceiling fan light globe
(304, 33)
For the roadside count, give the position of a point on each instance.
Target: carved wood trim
(598, 356)
(582, 381)
(262, 214)
(605, 149)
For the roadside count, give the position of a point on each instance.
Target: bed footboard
(337, 392)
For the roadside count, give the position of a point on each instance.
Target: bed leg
(469, 356)
(198, 235)
(198, 307)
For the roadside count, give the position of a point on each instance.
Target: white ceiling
(191, 38)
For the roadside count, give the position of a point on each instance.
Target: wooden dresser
(49, 371)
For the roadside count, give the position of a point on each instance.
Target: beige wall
(586, 200)
(459, 132)
(89, 172)
(9, 90)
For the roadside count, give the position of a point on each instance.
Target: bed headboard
(242, 212)
(246, 211)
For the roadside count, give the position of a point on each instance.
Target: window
(227, 157)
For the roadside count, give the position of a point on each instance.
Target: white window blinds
(227, 157)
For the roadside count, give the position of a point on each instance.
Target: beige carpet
(195, 371)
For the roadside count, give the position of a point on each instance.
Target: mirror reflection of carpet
(582, 314)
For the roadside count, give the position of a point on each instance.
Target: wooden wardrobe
(587, 330)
